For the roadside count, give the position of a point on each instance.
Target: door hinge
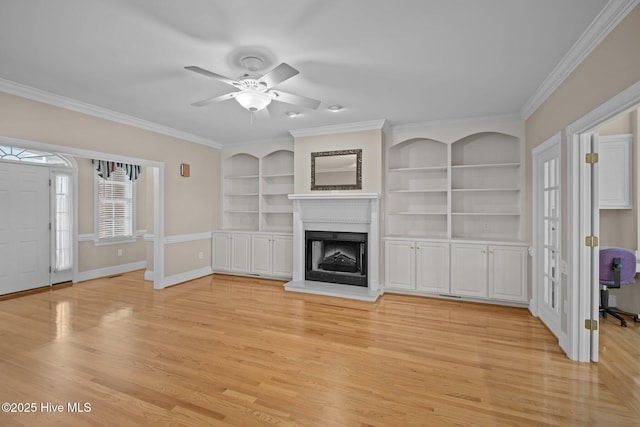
(591, 324)
(591, 241)
(591, 158)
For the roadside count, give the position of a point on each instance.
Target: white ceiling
(406, 61)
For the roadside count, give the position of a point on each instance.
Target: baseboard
(186, 276)
(148, 275)
(110, 271)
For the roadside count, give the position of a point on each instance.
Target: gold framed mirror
(336, 170)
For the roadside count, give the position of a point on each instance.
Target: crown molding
(34, 94)
(608, 18)
(344, 128)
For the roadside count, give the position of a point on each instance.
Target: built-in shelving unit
(241, 192)
(256, 190)
(418, 189)
(468, 189)
(277, 184)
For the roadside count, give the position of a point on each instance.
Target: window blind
(115, 206)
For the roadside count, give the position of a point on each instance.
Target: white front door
(548, 277)
(24, 227)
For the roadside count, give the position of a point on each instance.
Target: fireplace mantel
(356, 212)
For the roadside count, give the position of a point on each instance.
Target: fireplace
(336, 257)
(348, 218)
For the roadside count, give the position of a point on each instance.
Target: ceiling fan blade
(279, 74)
(212, 75)
(214, 99)
(290, 98)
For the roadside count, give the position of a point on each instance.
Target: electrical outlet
(119, 252)
(200, 255)
(612, 300)
(563, 267)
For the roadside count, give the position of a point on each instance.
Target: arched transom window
(27, 155)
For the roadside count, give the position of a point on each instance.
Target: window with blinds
(115, 207)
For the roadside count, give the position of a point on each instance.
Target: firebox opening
(336, 257)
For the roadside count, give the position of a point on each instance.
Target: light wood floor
(231, 351)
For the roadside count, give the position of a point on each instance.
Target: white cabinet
(264, 254)
(495, 272)
(241, 253)
(417, 265)
(231, 252)
(615, 160)
(469, 270)
(221, 251)
(272, 255)
(508, 273)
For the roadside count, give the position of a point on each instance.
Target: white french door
(548, 275)
(24, 227)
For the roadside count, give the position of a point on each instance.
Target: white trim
(578, 288)
(90, 237)
(608, 18)
(625, 100)
(285, 140)
(110, 271)
(186, 276)
(148, 237)
(344, 128)
(148, 275)
(180, 238)
(39, 95)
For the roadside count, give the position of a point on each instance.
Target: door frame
(157, 172)
(580, 206)
(553, 143)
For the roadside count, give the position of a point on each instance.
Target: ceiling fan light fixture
(336, 108)
(293, 113)
(253, 100)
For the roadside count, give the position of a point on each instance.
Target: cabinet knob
(417, 247)
(490, 252)
(412, 247)
(484, 252)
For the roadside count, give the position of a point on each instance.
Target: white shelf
(242, 177)
(487, 165)
(420, 169)
(256, 190)
(470, 188)
(486, 213)
(416, 213)
(419, 191)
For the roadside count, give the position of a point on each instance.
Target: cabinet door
(615, 183)
(261, 254)
(220, 252)
(432, 267)
(282, 257)
(508, 273)
(400, 264)
(241, 253)
(469, 270)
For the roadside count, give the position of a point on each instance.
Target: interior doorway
(583, 203)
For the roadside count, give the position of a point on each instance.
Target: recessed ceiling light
(336, 108)
(293, 113)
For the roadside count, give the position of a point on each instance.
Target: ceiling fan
(256, 93)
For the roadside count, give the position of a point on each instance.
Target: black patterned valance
(106, 168)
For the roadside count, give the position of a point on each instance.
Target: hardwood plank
(228, 351)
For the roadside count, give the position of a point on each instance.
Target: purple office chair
(617, 267)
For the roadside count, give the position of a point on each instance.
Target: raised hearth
(336, 215)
